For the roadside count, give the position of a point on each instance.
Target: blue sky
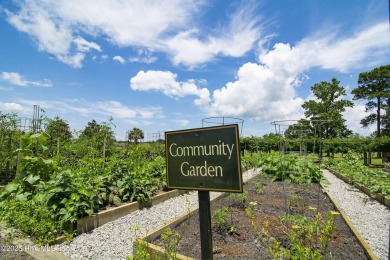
(167, 64)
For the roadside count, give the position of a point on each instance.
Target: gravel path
(114, 240)
(368, 216)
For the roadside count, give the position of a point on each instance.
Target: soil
(274, 199)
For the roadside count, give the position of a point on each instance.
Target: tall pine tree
(374, 86)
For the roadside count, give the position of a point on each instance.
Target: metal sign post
(206, 241)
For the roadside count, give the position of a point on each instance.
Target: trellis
(301, 191)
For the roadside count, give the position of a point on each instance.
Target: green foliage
(250, 161)
(377, 181)
(374, 86)
(96, 140)
(290, 168)
(310, 144)
(303, 232)
(71, 192)
(220, 216)
(380, 144)
(59, 135)
(9, 142)
(301, 129)
(135, 135)
(258, 186)
(170, 240)
(31, 217)
(142, 251)
(327, 111)
(73, 195)
(239, 199)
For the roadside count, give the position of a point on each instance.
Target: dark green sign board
(204, 159)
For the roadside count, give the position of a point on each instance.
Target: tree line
(324, 119)
(324, 114)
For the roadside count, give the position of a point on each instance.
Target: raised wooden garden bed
(275, 199)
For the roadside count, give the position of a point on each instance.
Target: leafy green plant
(171, 240)
(303, 233)
(220, 216)
(142, 251)
(258, 185)
(250, 161)
(9, 142)
(376, 180)
(239, 199)
(32, 218)
(290, 168)
(88, 175)
(272, 245)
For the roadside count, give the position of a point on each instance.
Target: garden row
(276, 217)
(373, 182)
(45, 199)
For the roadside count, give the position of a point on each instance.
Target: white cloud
(119, 59)
(367, 48)
(75, 61)
(86, 108)
(14, 108)
(165, 82)
(266, 90)
(143, 56)
(164, 26)
(115, 109)
(147, 60)
(354, 115)
(84, 45)
(36, 21)
(16, 79)
(192, 48)
(260, 93)
(13, 78)
(150, 112)
(52, 35)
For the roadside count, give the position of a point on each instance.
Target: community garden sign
(204, 159)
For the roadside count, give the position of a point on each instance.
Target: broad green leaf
(89, 212)
(11, 187)
(23, 196)
(32, 179)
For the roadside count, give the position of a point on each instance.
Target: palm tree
(136, 134)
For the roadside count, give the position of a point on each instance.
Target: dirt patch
(239, 240)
